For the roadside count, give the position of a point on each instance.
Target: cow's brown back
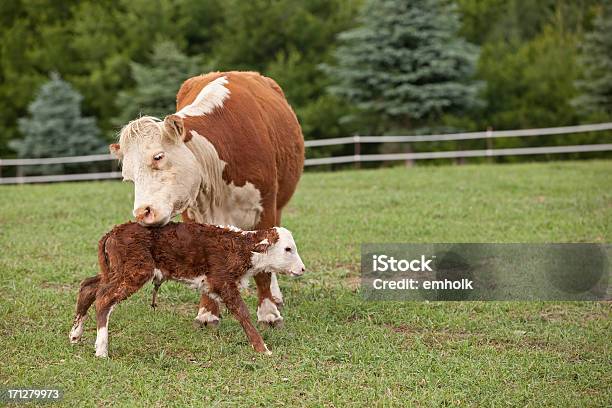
(256, 132)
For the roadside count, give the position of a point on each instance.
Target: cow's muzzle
(148, 216)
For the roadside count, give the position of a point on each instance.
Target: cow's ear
(115, 150)
(262, 246)
(175, 128)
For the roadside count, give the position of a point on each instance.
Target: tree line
(72, 72)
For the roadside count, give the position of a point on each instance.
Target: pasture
(335, 349)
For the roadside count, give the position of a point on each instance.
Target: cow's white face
(280, 257)
(164, 171)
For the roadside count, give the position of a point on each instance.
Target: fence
(357, 141)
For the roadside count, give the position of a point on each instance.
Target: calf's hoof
(76, 332)
(206, 319)
(263, 350)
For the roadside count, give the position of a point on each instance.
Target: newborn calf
(216, 260)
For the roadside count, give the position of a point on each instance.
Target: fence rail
(355, 158)
(461, 136)
(455, 154)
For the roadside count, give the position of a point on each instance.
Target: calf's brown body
(216, 260)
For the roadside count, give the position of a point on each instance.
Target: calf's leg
(87, 295)
(156, 286)
(107, 297)
(234, 303)
(104, 307)
(208, 312)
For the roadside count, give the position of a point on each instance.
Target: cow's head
(164, 171)
(277, 253)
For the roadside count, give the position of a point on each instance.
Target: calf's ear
(115, 150)
(174, 129)
(262, 246)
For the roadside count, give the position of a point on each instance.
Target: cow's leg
(87, 295)
(267, 311)
(267, 308)
(208, 312)
(230, 295)
(275, 291)
(277, 296)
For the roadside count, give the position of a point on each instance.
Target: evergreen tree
(596, 58)
(288, 40)
(405, 64)
(56, 128)
(157, 83)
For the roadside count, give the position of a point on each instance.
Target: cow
(216, 260)
(232, 153)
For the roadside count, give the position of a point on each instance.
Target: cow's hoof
(206, 319)
(279, 303)
(271, 322)
(213, 325)
(268, 314)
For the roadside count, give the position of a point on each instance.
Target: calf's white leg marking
(268, 313)
(102, 342)
(102, 338)
(77, 330)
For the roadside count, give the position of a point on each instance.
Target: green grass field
(335, 349)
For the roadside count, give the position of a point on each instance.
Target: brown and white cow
(216, 260)
(232, 154)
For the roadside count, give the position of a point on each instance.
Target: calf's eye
(158, 156)
(288, 249)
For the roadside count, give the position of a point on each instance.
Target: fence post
(19, 174)
(357, 151)
(489, 144)
(409, 162)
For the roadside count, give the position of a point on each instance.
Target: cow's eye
(288, 249)
(158, 156)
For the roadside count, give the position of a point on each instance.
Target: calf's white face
(164, 171)
(280, 257)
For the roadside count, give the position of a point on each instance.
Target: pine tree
(596, 58)
(405, 63)
(157, 83)
(56, 127)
